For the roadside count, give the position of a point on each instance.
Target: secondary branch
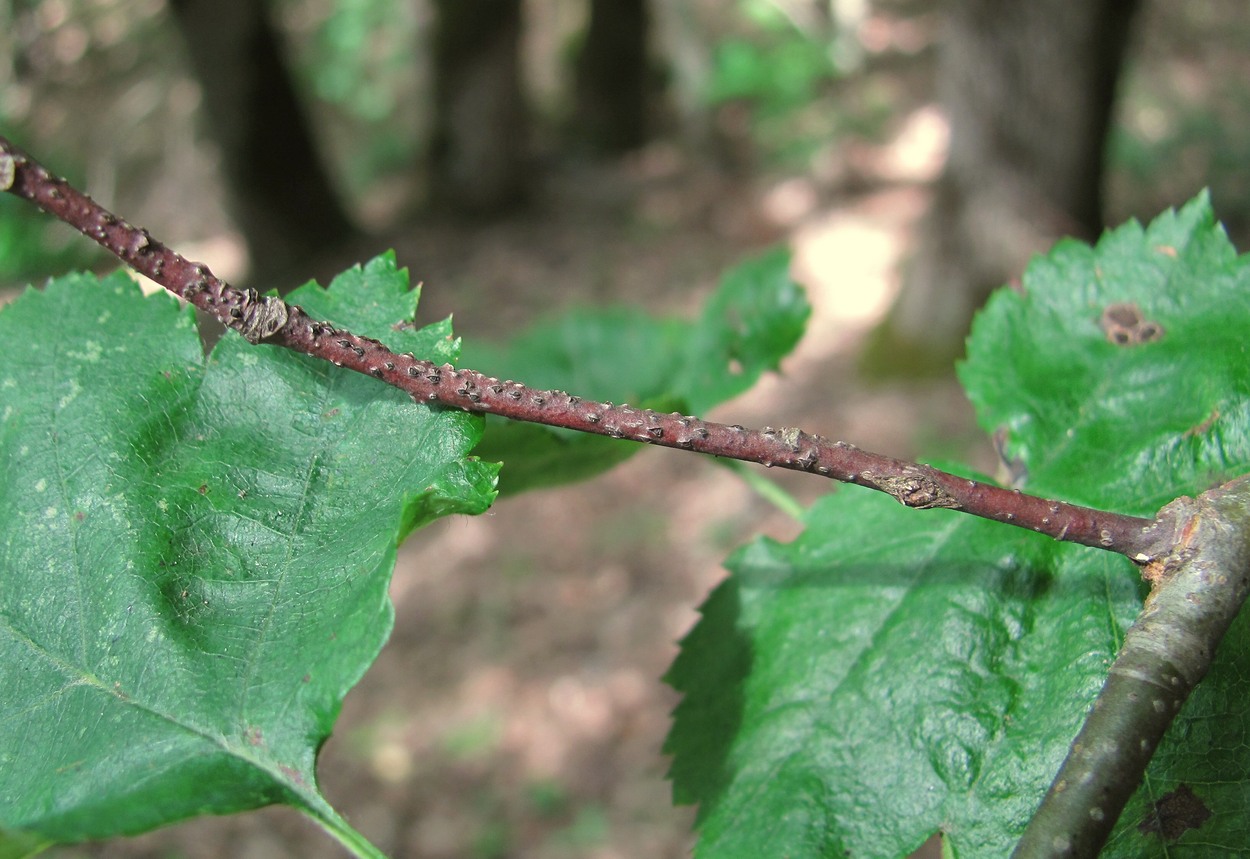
(271, 320)
(1199, 586)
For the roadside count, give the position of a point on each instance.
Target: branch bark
(271, 320)
(1200, 579)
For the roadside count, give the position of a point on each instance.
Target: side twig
(271, 320)
(1200, 580)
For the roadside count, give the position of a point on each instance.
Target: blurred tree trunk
(478, 144)
(613, 77)
(1029, 87)
(281, 195)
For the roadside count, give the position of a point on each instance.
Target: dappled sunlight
(848, 262)
(849, 255)
(918, 151)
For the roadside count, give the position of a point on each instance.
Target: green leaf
(1193, 801)
(851, 696)
(196, 555)
(622, 355)
(893, 673)
(750, 323)
(1130, 426)
(617, 354)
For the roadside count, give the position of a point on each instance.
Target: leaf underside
(196, 551)
(890, 674)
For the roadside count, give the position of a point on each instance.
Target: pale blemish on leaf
(74, 390)
(90, 353)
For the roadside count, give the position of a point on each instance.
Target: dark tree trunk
(478, 144)
(281, 196)
(613, 77)
(1029, 87)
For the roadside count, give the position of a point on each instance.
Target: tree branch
(271, 320)
(1199, 585)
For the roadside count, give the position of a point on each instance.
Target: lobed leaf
(196, 551)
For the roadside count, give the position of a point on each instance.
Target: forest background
(517, 709)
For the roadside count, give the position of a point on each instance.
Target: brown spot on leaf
(1166, 250)
(1174, 814)
(1124, 325)
(1126, 315)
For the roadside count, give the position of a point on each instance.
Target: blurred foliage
(779, 72)
(33, 248)
(799, 79)
(779, 67)
(1184, 114)
(358, 58)
(357, 49)
(752, 321)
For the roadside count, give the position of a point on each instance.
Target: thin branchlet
(268, 319)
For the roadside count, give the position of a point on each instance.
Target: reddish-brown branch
(269, 319)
